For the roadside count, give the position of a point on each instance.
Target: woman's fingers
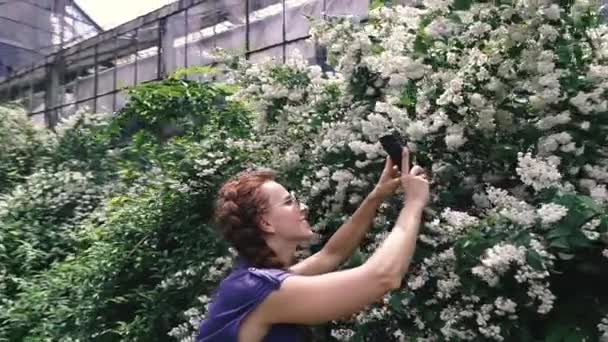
(405, 160)
(387, 163)
(390, 169)
(417, 171)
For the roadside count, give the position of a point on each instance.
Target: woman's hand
(414, 182)
(389, 180)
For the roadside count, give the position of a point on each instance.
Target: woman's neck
(284, 250)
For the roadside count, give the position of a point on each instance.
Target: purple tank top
(236, 297)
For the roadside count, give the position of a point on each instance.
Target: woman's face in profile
(285, 216)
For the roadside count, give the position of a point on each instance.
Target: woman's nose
(304, 209)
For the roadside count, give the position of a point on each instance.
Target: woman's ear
(265, 226)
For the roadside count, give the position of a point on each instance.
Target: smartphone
(393, 146)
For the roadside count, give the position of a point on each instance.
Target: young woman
(269, 298)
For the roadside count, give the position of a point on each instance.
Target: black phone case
(393, 147)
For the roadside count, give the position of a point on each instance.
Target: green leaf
(562, 230)
(590, 203)
(395, 302)
(560, 243)
(377, 4)
(421, 44)
(408, 95)
(565, 256)
(579, 240)
(462, 5)
(580, 209)
(356, 259)
(557, 332)
(603, 228)
(575, 335)
(377, 49)
(429, 315)
(535, 260)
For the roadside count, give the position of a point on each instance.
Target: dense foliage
(108, 239)
(105, 224)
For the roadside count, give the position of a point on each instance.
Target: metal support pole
(186, 33)
(320, 51)
(60, 10)
(247, 33)
(136, 56)
(95, 78)
(284, 34)
(77, 89)
(52, 93)
(31, 94)
(160, 73)
(115, 73)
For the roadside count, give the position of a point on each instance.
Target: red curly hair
(239, 208)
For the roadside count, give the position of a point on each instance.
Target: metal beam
(146, 27)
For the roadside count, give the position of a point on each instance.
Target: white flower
(500, 257)
(538, 173)
(492, 332)
(455, 138)
(551, 213)
(597, 72)
(342, 176)
(445, 287)
(292, 159)
(544, 295)
(440, 27)
(497, 261)
(438, 5)
(508, 206)
(599, 194)
(458, 219)
(504, 306)
(551, 121)
(416, 282)
(603, 329)
(342, 334)
(416, 130)
(548, 33)
(605, 252)
(481, 200)
(590, 229)
(399, 335)
(552, 12)
(375, 126)
(597, 172)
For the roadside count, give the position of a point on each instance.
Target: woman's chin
(309, 235)
(307, 231)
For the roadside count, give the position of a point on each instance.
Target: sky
(111, 13)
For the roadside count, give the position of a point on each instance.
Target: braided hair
(239, 208)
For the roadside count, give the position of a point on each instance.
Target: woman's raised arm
(348, 237)
(316, 299)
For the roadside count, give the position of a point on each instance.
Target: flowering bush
(109, 238)
(506, 105)
(503, 102)
(18, 146)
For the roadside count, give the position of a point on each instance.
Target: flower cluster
(603, 329)
(212, 272)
